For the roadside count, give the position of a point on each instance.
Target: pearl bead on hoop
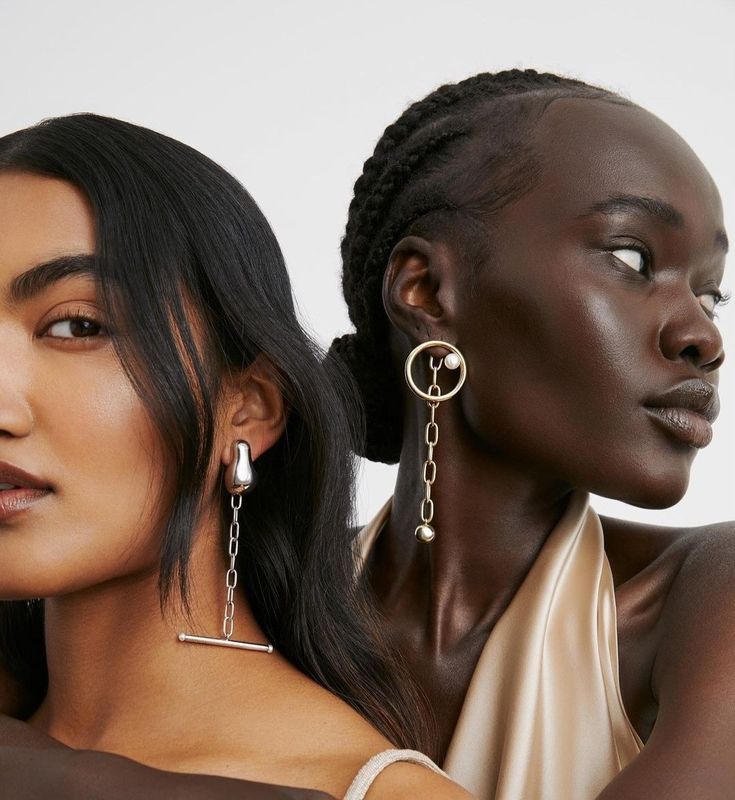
(425, 532)
(453, 357)
(452, 361)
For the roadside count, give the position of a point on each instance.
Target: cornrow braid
(413, 171)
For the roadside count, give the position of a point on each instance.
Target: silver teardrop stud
(240, 475)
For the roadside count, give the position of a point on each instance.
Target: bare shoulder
(713, 544)
(701, 596)
(635, 548)
(676, 572)
(692, 678)
(404, 780)
(675, 589)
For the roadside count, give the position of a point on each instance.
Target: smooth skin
(120, 682)
(34, 765)
(581, 311)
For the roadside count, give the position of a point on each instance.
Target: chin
(656, 488)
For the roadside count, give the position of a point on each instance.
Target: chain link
(231, 576)
(431, 439)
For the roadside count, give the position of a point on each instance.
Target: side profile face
(597, 299)
(69, 416)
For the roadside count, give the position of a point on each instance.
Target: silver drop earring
(433, 396)
(239, 478)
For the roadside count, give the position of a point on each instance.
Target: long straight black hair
(176, 235)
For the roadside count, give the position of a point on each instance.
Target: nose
(690, 335)
(16, 417)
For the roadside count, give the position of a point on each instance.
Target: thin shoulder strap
(365, 777)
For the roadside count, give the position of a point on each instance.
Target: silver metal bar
(260, 648)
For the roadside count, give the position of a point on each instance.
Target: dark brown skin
(565, 344)
(35, 765)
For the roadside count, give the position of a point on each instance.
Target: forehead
(41, 218)
(592, 149)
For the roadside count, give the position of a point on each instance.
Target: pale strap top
(365, 777)
(543, 718)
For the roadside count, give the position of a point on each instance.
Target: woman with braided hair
(532, 266)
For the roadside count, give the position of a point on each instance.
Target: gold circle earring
(433, 396)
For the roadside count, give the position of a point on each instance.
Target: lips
(687, 411)
(19, 489)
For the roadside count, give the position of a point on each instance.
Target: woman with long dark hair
(533, 268)
(175, 480)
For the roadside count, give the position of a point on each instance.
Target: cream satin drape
(543, 718)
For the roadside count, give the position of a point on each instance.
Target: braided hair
(460, 153)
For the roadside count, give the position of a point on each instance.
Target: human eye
(74, 328)
(713, 300)
(634, 257)
(74, 325)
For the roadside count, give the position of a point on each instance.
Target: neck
(118, 676)
(491, 518)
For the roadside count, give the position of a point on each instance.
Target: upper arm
(29, 773)
(691, 751)
(403, 780)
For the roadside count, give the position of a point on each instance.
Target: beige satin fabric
(543, 717)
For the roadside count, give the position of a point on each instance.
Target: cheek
(558, 371)
(554, 342)
(93, 440)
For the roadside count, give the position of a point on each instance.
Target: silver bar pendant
(260, 648)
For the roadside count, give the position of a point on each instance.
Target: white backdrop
(291, 96)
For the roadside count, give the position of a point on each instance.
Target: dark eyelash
(721, 299)
(647, 258)
(76, 315)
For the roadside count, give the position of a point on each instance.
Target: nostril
(702, 357)
(694, 355)
(691, 353)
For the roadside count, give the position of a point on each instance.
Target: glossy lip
(687, 411)
(27, 490)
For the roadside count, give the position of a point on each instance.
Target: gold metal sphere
(425, 533)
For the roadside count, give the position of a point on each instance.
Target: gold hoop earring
(433, 396)
(239, 478)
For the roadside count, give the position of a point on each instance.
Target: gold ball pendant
(425, 533)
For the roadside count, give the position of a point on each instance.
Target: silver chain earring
(424, 531)
(239, 478)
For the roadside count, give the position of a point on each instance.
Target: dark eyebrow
(37, 279)
(658, 209)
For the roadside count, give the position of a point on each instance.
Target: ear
(418, 289)
(254, 410)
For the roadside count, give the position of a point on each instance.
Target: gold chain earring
(424, 531)
(239, 478)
